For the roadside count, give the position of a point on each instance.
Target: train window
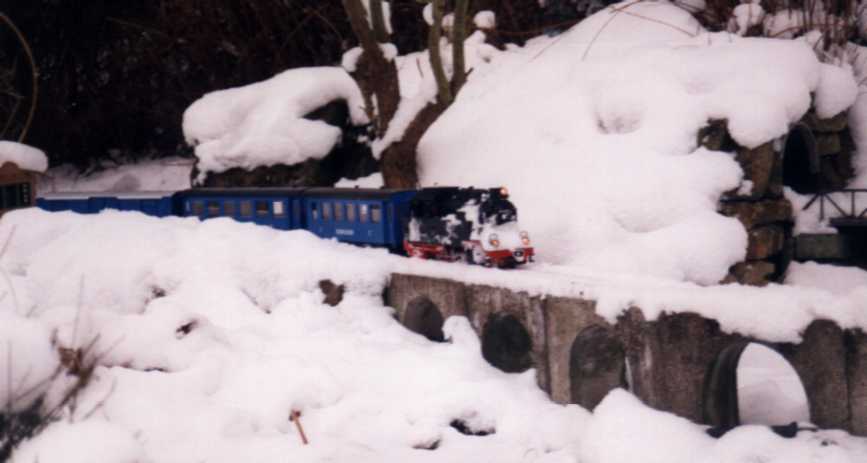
(213, 208)
(279, 210)
(229, 208)
(350, 212)
(262, 208)
(198, 208)
(338, 211)
(375, 213)
(25, 193)
(247, 209)
(314, 211)
(326, 211)
(362, 213)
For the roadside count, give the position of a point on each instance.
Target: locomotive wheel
(476, 255)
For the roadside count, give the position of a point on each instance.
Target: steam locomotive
(478, 226)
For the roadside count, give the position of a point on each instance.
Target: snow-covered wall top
(262, 124)
(24, 156)
(594, 131)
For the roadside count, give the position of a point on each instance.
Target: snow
(27, 359)
(211, 333)
(165, 174)
(837, 91)
(262, 124)
(386, 14)
(835, 279)
(745, 16)
(769, 388)
(371, 181)
(244, 339)
(24, 156)
(485, 20)
(606, 115)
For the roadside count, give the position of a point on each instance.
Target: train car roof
(353, 193)
(247, 191)
(106, 194)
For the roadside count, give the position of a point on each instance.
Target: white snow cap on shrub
(262, 124)
(24, 156)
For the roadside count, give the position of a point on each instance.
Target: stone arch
(597, 364)
(506, 343)
(422, 316)
(721, 400)
(801, 164)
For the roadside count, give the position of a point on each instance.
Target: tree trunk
(375, 75)
(399, 163)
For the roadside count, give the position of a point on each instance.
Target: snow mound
(164, 174)
(211, 333)
(832, 278)
(24, 156)
(606, 117)
(262, 124)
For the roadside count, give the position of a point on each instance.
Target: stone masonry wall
(681, 363)
(760, 205)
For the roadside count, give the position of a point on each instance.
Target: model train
(478, 226)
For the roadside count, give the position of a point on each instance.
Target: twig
(295, 417)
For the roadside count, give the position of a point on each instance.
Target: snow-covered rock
(24, 156)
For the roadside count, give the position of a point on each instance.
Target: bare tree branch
(34, 73)
(459, 32)
(444, 93)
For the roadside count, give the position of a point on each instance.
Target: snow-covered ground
(208, 334)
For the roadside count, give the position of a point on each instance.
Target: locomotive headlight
(494, 240)
(525, 238)
(504, 192)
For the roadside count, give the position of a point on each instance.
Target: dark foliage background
(116, 76)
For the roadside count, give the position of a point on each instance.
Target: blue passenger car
(279, 208)
(355, 215)
(157, 204)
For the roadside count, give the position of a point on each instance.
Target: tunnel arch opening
(506, 344)
(751, 383)
(422, 316)
(597, 364)
(801, 168)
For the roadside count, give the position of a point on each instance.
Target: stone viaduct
(680, 363)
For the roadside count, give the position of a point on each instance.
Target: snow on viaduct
(681, 363)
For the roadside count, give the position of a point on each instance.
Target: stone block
(486, 303)
(765, 241)
(833, 124)
(828, 144)
(758, 166)
(753, 273)
(820, 361)
(446, 295)
(566, 318)
(669, 359)
(822, 246)
(753, 213)
(856, 375)
(715, 136)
